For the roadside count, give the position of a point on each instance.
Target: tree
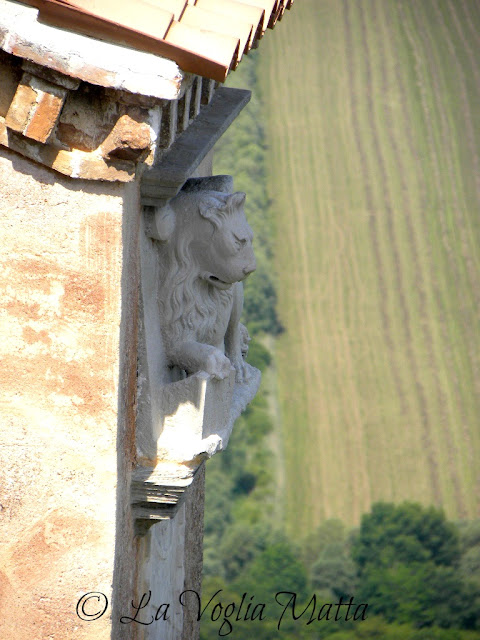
(408, 559)
(406, 533)
(334, 571)
(241, 544)
(329, 532)
(275, 569)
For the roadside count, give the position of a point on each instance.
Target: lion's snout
(249, 269)
(249, 261)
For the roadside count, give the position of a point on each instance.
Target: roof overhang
(204, 37)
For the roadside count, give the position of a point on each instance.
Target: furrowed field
(374, 170)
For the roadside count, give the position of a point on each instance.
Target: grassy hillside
(374, 172)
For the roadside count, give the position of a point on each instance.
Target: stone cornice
(85, 131)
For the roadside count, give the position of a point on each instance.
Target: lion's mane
(190, 307)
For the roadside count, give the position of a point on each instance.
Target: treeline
(406, 574)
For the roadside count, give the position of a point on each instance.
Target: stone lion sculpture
(206, 254)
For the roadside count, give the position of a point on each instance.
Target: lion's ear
(210, 205)
(164, 222)
(236, 200)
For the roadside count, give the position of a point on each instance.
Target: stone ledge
(166, 178)
(157, 493)
(199, 414)
(89, 132)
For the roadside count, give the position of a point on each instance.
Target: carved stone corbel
(201, 251)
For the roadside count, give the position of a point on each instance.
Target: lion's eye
(240, 242)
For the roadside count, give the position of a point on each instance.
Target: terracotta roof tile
(234, 10)
(267, 5)
(199, 18)
(237, 12)
(173, 6)
(218, 47)
(205, 37)
(142, 15)
(282, 8)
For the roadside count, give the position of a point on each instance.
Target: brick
(89, 167)
(22, 104)
(74, 164)
(129, 140)
(50, 75)
(44, 118)
(35, 108)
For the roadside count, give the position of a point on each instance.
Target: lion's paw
(242, 373)
(218, 365)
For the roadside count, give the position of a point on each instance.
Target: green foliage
(258, 355)
(260, 303)
(328, 532)
(275, 569)
(470, 534)
(408, 558)
(259, 424)
(218, 488)
(375, 628)
(414, 569)
(240, 546)
(470, 566)
(405, 533)
(334, 572)
(424, 594)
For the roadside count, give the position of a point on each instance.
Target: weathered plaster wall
(61, 310)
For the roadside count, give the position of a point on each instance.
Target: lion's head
(207, 248)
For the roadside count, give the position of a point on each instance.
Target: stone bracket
(166, 178)
(198, 417)
(157, 493)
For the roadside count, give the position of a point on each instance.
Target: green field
(374, 171)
